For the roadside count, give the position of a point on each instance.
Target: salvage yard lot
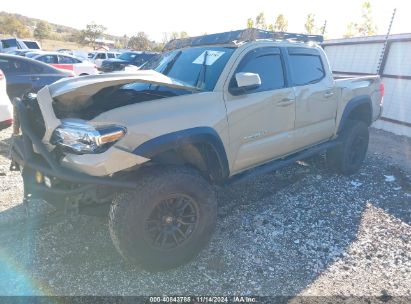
(300, 230)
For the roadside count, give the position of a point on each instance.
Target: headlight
(76, 136)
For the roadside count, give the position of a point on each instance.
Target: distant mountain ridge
(62, 32)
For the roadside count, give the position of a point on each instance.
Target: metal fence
(362, 56)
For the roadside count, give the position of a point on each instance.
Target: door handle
(285, 102)
(34, 78)
(328, 94)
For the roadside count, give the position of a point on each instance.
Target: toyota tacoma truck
(209, 110)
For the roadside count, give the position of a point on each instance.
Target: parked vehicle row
(26, 75)
(65, 62)
(127, 61)
(98, 57)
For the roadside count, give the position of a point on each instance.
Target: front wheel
(348, 157)
(166, 221)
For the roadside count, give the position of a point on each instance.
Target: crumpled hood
(79, 89)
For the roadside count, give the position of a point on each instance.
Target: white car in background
(98, 57)
(6, 109)
(65, 62)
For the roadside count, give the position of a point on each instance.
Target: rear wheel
(348, 157)
(166, 221)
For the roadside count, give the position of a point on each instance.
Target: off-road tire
(130, 211)
(348, 157)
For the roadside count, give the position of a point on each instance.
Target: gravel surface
(302, 230)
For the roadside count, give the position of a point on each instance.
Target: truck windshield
(200, 67)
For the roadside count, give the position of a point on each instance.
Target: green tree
(366, 26)
(250, 23)
(10, 25)
(351, 30)
(310, 24)
(280, 24)
(140, 42)
(260, 22)
(92, 32)
(42, 30)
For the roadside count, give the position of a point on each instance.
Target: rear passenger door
(260, 120)
(316, 98)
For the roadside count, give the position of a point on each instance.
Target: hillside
(58, 31)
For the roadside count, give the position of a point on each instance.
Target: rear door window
(67, 60)
(306, 66)
(50, 59)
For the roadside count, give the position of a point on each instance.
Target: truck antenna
(324, 27)
(385, 43)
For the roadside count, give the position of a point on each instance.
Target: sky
(196, 17)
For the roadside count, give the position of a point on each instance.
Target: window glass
(8, 43)
(50, 59)
(67, 60)
(198, 66)
(31, 45)
(101, 56)
(306, 68)
(265, 62)
(110, 55)
(14, 67)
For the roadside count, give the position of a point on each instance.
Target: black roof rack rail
(250, 34)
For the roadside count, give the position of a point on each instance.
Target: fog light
(39, 177)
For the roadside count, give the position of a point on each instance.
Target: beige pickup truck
(209, 110)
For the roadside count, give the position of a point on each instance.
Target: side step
(280, 163)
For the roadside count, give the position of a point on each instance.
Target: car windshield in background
(199, 67)
(127, 56)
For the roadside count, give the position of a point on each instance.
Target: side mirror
(246, 81)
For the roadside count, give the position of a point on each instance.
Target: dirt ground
(302, 230)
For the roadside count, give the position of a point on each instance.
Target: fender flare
(351, 106)
(175, 140)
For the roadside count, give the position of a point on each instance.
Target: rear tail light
(382, 92)
(1, 75)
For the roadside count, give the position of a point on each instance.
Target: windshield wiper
(171, 63)
(202, 73)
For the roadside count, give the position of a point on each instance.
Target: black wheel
(348, 157)
(166, 221)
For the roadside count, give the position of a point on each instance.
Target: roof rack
(235, 37)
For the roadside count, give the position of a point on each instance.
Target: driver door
(261, 120)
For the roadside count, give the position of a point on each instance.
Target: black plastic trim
(178, 139)
(350, 107)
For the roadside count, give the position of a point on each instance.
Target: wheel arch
(199, 147)
(358, 108)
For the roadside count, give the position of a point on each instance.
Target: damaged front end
(71, 160)
(43, 175)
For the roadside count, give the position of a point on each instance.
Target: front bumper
(66, 183)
